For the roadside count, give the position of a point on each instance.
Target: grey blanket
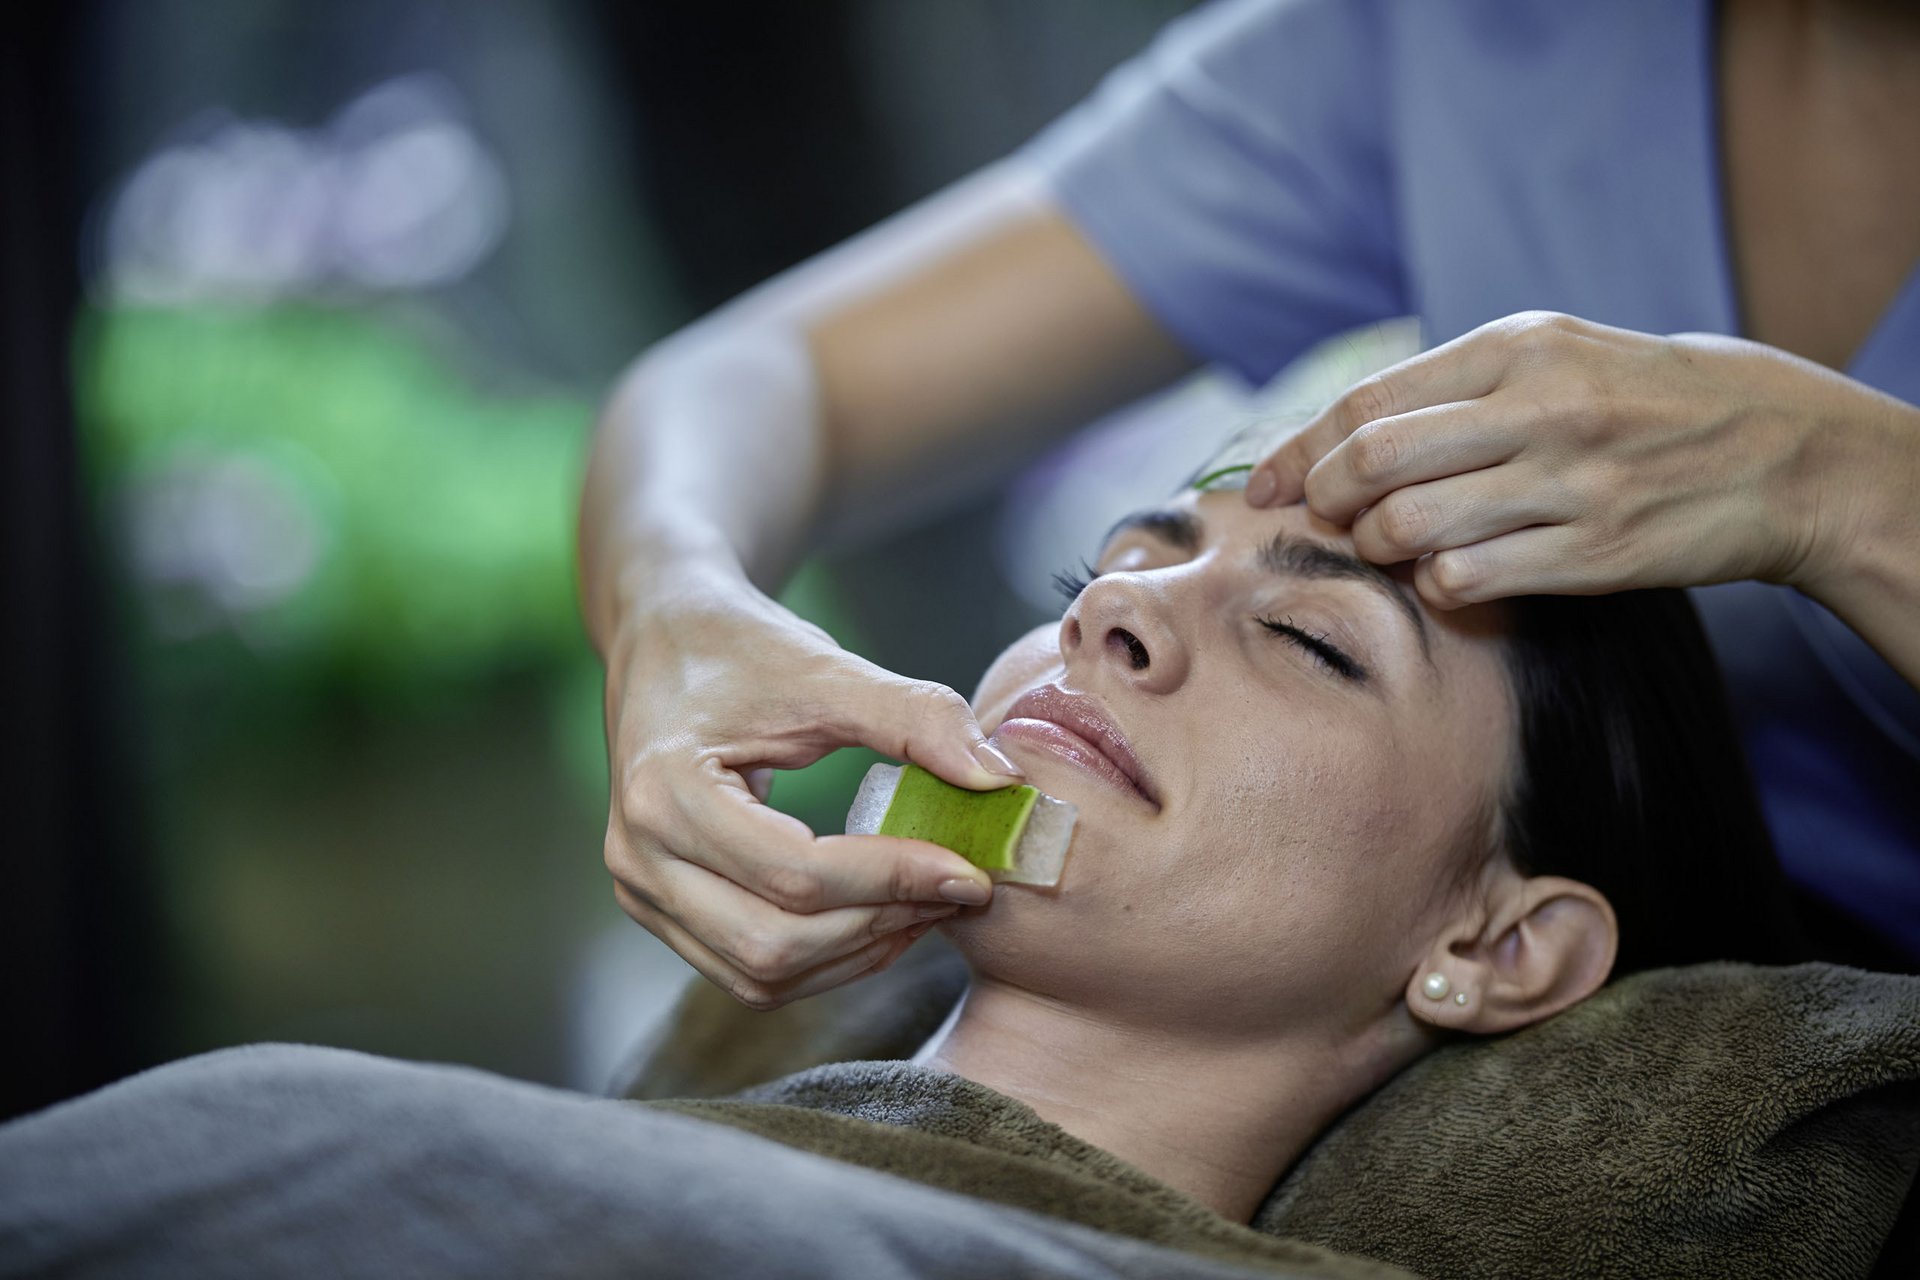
(1741, 1122)
(288, 1161)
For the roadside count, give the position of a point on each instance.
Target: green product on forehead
(1206, 481)
(1015, 834)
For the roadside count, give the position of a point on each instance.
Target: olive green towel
(942, 1130)
(1720, 1120)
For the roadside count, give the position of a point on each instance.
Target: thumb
(930, 725)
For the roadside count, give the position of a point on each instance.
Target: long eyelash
(1318, 645)
(1071, 583)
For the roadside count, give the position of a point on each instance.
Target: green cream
(981, 826)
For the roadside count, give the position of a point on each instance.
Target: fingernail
(1261, 486)
(932, 912)
(968, 893)
(993, 762)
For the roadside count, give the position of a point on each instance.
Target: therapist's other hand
(711, 685)
(1546, 454)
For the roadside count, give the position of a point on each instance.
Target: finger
(921, 721)
(1457, 511)
(1464, 369)
(1425, 444)
(760, 782)
(748, 991)
(776, 857)
(1544, 560)
(771, 945)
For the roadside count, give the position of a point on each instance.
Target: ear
(1535, 946)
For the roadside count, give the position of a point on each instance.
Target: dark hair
(1631, 779)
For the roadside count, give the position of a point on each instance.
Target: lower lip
(1064, 742)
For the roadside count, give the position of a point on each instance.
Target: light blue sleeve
(1236, 175)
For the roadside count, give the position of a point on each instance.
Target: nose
(1121, 628)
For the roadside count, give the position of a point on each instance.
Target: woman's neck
(1218, 1119)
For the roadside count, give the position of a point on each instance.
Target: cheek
(1018, 668)
(1303, 826)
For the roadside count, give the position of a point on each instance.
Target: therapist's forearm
(881, 378)
(1868, 570)
(709, 459)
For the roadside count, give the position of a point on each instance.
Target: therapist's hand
(1546, 454)
(710, 686)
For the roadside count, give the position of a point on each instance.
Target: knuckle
(755, 996)
(936, 702)
(1536, 330)
(1405, 523)
(903, 881)
(1368, 400)
(767, 957)
(792, 888)
(1452, 572)
(1543, 323)
(1376, 452)
(615, 854)
(639, 801)
(929, 711)
(630, 867)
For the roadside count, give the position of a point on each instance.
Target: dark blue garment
(1272, 172)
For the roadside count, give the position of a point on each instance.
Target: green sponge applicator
(1016, 834)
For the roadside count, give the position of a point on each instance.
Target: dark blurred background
(307, 307)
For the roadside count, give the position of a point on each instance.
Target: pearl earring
(1459, 997)
(1436, 986)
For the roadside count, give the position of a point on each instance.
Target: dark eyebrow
(1290, 557)
(1302, 558)
(1180, 528)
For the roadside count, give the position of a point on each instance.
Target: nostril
(1136, 652)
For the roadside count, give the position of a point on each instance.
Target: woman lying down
(1323, 829)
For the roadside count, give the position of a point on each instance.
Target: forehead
(1226, 523)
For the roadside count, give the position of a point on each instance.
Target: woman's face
(1314, 749)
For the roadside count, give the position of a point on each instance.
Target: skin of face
(1306, 844)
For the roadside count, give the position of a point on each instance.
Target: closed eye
(1329, 655)
(1071, 583)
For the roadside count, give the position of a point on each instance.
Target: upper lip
(1083, 716)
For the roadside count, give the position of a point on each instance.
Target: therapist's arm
(934, 352)
(1864, 562)
(1543, 453)
(969, 330)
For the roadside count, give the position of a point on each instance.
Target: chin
(1013, 939)
(1040, 938)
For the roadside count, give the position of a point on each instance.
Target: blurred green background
(356, 275)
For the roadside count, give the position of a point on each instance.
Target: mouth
(1075, 727)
